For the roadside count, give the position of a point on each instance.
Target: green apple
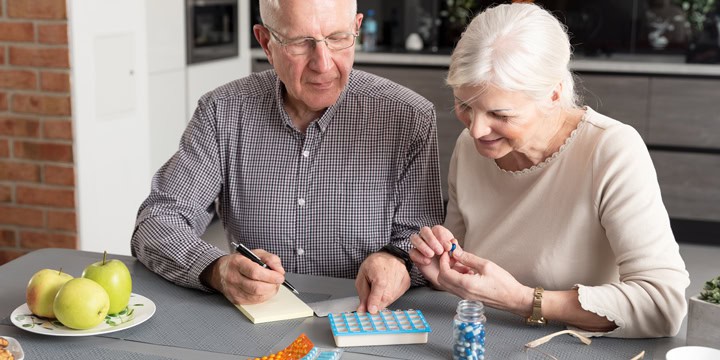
(41, 290)
(114, 276)
(81, 304)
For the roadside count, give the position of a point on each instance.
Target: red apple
(41, 291)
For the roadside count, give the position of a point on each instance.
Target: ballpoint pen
(242, 249)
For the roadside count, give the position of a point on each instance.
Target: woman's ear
(557, 93)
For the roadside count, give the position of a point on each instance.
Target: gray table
(190, 324)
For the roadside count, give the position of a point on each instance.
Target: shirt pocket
(365, 216)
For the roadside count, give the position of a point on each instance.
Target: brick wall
(37, 178)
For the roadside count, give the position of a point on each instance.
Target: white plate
(138, 311)
(693, 352)
(14, 348)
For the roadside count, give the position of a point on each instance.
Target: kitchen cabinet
(690, 183)
(685, 112)
(624, 98)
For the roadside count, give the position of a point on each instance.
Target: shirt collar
(324, 121)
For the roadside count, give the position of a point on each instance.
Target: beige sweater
(589, 217)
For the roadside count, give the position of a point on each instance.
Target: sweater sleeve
(649, 299)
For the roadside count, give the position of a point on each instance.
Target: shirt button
(305, 153)
(300, 251)
(301, 202)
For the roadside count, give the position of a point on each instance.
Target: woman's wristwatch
(536, 318)
(400, 254)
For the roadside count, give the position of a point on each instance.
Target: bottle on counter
(369, 31)
(469, 331)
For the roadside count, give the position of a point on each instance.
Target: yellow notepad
(283, 306)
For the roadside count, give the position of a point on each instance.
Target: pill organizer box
(384, 328)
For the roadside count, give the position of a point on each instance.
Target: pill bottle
(469, 331)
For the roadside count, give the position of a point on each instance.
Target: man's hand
(244, 282)
(381, 280)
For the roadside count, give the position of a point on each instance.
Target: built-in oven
(212, 30)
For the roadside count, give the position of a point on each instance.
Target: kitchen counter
(620, 63)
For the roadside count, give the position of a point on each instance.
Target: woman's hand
(428, 245)
(471, 277)
(467, 275)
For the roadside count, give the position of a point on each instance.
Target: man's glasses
(303, 45)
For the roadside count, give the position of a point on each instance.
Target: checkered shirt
(364, 174)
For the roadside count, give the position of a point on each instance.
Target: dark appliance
(212, 30)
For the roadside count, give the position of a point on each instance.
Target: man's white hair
(270, 11)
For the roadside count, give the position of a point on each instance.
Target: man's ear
(358, 21)
(262, 34)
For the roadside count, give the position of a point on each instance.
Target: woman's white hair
(516, 47)
(270, 9)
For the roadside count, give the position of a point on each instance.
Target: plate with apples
(100, 301)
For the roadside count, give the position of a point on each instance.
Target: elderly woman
(560, 216)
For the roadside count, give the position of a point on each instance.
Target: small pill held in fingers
(452, 248)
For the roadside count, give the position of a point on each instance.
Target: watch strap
(400, 254)
(536, 318)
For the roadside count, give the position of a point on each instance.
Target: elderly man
(321, 169)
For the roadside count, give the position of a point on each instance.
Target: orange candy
(295, 351)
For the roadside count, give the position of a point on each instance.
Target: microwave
(211, 30)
